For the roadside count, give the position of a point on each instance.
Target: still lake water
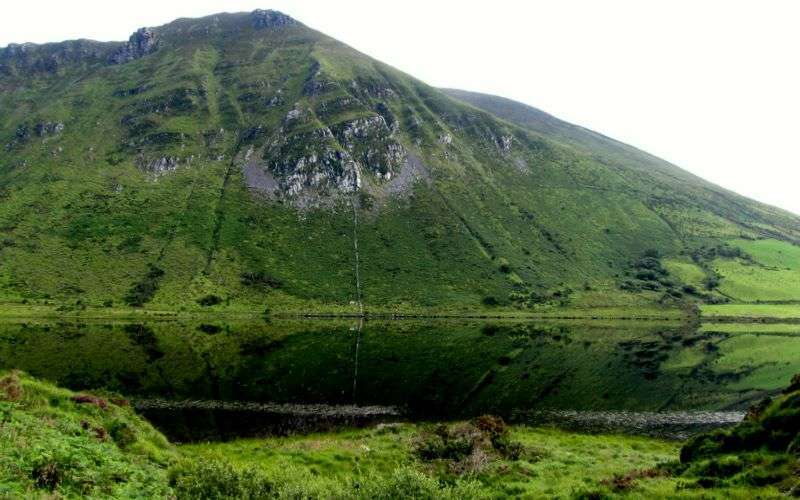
(221, 379)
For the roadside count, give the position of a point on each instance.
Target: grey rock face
(377, 89)
(48, 58)
(505, 143)
(325, 161)
(311, 161)
(270, 19)
(141, 43)
(160, 166)
(317, 83)
(43, 129)
(369, 142)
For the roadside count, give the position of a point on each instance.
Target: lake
(218, 379)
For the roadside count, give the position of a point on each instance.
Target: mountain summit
(248, 159)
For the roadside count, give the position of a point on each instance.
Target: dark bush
(143, 292)
(489, 330)
(650, 263)
(711, 282)
(259, 279)
(130, 244)
(447, 443)
(646, 275)
(122, 433)
(209, 300)
(209, 329)
(491, 425)
(490, 300)
(468, 447)
(47, 474)
(11, 387)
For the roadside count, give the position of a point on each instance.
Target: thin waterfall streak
(357, 263)
(355, 363)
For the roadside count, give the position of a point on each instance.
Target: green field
(686, 271)
(752, 311)
(752, 328)
(770, 272)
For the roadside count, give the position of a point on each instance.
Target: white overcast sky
(712, 86)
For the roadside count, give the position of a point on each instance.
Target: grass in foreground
(55, 443)
(549, 464)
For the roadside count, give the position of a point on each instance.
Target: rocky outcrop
(504, 143)
(159, 166)
(141, 43)
(50, 57)
(317, 83)
(369, 142)
(270, 19)
(311, 161)
(43, 129)
(24, 132)
(365, 88)
(321, 162)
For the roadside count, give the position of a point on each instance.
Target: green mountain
(249, 160)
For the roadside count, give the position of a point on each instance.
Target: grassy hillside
(57, 443)
(703, 210)
(762, 450)
(244, 160)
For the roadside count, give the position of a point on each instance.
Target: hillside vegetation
(58, 443)
(243, 160)
(55, 443)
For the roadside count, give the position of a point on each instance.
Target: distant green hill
(243, 160)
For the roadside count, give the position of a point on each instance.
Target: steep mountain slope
(249, 159)
(703, 195)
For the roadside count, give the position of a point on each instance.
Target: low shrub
(406, 482)
(216, 479)
(122, 433)
(47, 472)
(11, 387)
(468, 447)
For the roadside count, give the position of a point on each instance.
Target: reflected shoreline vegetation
(284, 376)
